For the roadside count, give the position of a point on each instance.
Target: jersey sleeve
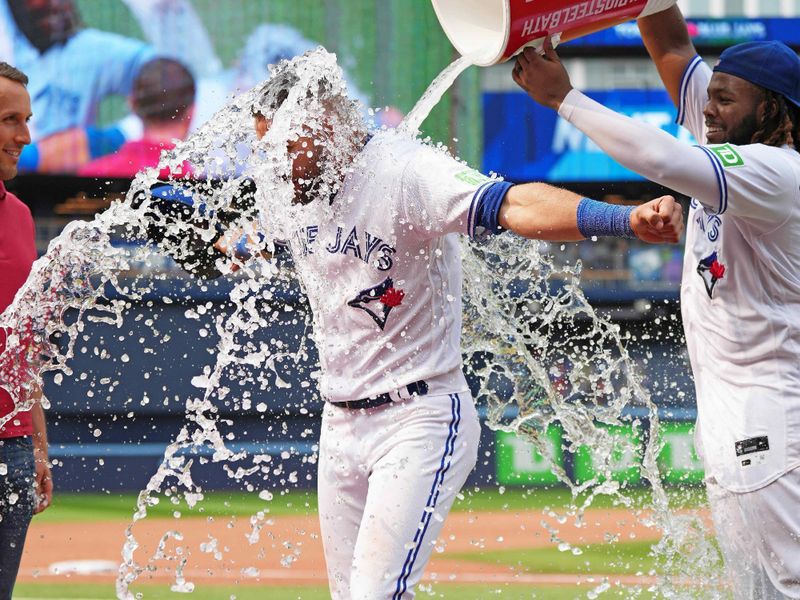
(754, 181)
(441, 195)
(693, 97)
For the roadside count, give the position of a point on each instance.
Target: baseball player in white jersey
(71, 68)
(383, 277)
(740, 292)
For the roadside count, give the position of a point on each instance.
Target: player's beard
(744, 132)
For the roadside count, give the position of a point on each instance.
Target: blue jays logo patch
(711, 271)
(378, 301)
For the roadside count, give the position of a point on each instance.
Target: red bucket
(492, 31)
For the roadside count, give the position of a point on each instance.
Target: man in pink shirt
(26, 486)
(163, 98)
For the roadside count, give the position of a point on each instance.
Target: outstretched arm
(667, 40)
(644, 149)
(44, 478)
(543, 212)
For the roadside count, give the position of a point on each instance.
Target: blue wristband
(603, 219)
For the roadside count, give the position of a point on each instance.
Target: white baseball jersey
(741, 304)
(384, 280)
(741, 280)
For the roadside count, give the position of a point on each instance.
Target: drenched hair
(781, 123)
(274, 93)
(163, 90)
(307, 97)
(14, 74)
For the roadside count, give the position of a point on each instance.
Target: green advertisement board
(623, 462)
(518, 462)
(678, 459)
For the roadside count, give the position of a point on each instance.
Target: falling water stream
(526, 319)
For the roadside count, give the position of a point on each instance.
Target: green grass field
(93, 507)
(622, 558)
(439, 591)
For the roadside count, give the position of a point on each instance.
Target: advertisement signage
(678, 459)
(708, 33)
(623, 464)
(551, 149)
(519, 463)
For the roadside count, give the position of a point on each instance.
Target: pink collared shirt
(17, 253)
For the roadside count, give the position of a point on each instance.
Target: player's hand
(44, 482)
(223, 245)
(658, 221)
(237, 244)
(543, 77)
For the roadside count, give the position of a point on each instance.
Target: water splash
(547, 358)
(438, 87)
(541, 352)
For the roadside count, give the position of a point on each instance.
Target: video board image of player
(163, 98)
(75, 68)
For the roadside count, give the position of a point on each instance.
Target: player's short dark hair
(12, 73)
(274, 92)
(164, 89)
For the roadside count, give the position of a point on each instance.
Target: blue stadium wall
(112, 418)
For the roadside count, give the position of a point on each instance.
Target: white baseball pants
(759, 534)
(387, 479)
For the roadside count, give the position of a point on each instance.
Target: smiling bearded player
(373, 233)
(740, 294)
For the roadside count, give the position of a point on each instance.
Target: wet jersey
(741, 303)
(384, 279)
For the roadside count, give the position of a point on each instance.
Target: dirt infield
(289, 550)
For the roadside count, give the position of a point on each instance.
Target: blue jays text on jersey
(365, 246)
(709, 223)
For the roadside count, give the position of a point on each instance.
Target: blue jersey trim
(476, 199)
(485, 209)
(719, 171)
(687, 75)
(433, 497)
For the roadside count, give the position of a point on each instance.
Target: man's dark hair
(781, 124)
(163, 90)
(12, 73)
(274, 92)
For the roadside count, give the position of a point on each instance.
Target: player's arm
(543, 212)
(68, 150)
(44, 478)
(667, 40)
(695, 171)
